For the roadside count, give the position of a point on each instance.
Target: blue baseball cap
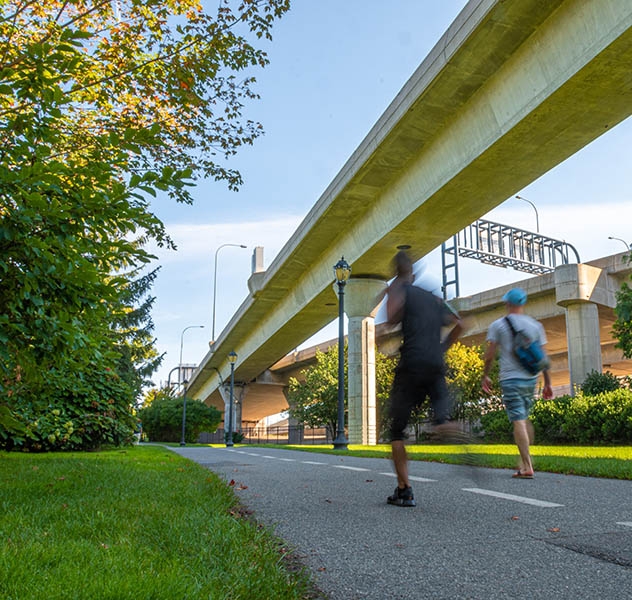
(515, 296)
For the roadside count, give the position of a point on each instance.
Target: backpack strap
(513, 331)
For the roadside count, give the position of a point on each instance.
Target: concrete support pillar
(584, 344)
(361, 300)
(239, 392)
(580, 288)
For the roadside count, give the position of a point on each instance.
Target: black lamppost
(184, 382)
(183, 441)
(232, 357)
(342, 270)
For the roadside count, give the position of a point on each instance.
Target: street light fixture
(169, 376)
(215, 286)
(537, 220)
(627, 246)
(232, 357)
(181, 381)
(342, 271)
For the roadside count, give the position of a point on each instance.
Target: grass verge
(592, 461)
(139, 523)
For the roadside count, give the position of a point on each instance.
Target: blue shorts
(518, 397)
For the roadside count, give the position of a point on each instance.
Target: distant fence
(272, 435)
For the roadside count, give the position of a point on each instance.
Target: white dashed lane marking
(312, 462)
(521, 499)
(411, 477)
(350, 468)
(626, 523)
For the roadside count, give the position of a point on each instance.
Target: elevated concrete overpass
(513, 88)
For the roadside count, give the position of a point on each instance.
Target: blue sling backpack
(529, 352)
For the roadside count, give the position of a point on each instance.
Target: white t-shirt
(500, 333)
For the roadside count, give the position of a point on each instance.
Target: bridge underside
(511, 90)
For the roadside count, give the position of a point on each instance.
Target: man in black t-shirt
(421, 368)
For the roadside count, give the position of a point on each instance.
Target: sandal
(523, 475)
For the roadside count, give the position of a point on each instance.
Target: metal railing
(502, 246)
(272, 435)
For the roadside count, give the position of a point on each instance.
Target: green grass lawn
(594, 461)
(140, 523)
(144, 523)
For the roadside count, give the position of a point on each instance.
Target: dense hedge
(93, 410)
(162, 419)
(605, 418)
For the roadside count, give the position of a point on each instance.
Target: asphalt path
(475, 533)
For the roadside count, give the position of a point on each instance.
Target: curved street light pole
(342, 270)
(215, 286)
(180, 381)
(537, 219)
(627, 246)
(169, 376)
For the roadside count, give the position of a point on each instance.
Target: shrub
(617, 424)
(496, 426)
(93, 410)
(238, 437)
(602, 419)
(605, 418)
(596, 383)
(162, 419)
(548, 417)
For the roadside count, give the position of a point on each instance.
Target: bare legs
(400, 462)
(523, 436)
(447, 431)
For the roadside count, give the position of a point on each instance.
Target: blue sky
(335, 66)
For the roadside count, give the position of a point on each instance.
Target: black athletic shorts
(409, 391)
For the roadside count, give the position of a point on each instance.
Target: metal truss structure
(502, 246)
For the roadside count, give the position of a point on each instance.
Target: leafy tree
(162, 418)
(384, 374)
(102, 106)
(464, 366)
(622, 327)
(313, 399)
(168, 68)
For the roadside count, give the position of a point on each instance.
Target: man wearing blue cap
(517, 384)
